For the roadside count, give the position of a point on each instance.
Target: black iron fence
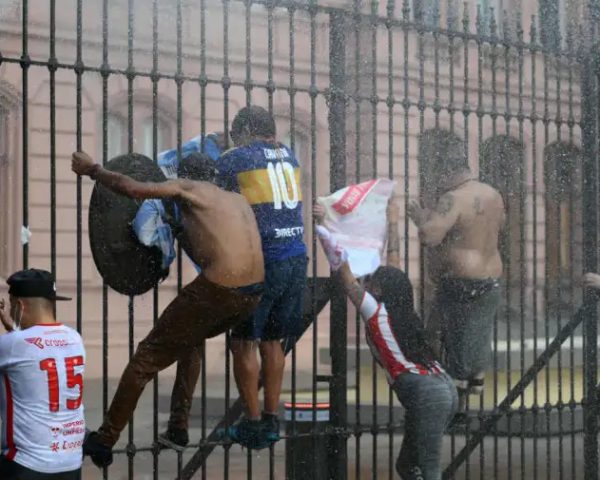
(375, 87)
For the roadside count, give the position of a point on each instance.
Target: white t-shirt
(41, 390)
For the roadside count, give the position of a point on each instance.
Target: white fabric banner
(356, 215)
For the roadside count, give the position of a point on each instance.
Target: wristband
(94, 171)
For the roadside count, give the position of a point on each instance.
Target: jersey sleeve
(6, 345)
(368, 306)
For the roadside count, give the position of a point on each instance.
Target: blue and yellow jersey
(268, 176)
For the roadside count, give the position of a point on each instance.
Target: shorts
(467, 309)
(279, 313)
(10, 470)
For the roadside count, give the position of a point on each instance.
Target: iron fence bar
(234, 411)
(406, 111)
(374, 133)
(572, 254)
(292, 97)
(451, 56)
(130, 449)
(357, 178)
(559, 288)
(421, 109)
(78, 75)
(390, 104)
(547, 281)
(203, 85)
(533, 120)
(52, 72)
(480, 115)
(248, 82)
(24, 61)
(337, 446)
(522, 235)
(589, 115)
(226, 84)
(270, 86)
(155, 290)
(313, 181)
(504, 406)
(105, 76)
(179, 128)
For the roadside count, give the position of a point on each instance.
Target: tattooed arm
(433, 231)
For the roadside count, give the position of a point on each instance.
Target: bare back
(470, 249)
(221, 234)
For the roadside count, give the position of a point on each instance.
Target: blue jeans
(279, 313)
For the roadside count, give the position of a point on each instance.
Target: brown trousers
(201, 310)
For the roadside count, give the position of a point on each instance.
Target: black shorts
(10, 470)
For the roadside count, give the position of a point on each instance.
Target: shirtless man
(227, 291)
(461, 235)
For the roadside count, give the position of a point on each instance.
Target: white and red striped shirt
(41, 388)
(384, 344)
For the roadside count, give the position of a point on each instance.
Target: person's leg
(435, 406)
(407, 461)
(245, 338)
(429, 401)
(284, 324)
(246, 371)
(188, 371)
(179, 328)
(273, 364)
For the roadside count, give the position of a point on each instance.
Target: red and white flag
(356, 215)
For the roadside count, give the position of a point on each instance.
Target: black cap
(33, 283)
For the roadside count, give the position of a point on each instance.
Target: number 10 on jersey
(283, 182)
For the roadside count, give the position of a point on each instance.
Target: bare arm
(433, 231)
(129, 187)
(82, 164)
(353, 289)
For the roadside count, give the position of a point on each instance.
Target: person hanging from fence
(157, 224)
(42, 364)
(226, 291)
(397, 339)
(267, 174)
(461, 237)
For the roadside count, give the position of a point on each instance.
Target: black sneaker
(249, 433)
(100, 453)
(178, 436)
(271, 425)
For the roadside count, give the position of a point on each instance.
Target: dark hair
(453, 154)
(396, 293)
(197, 166)
(259, 121)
